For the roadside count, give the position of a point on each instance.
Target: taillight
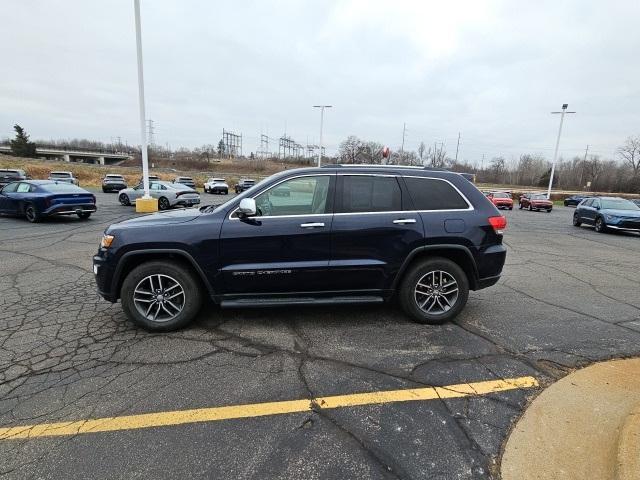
(498, 223)
(182, 193)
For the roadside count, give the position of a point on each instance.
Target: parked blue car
(606, 213)
(37, 199)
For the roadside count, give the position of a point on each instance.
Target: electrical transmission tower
(232, 143)
(264, 146)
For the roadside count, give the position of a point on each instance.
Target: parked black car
(37, 199)
(113, 183)
(244, 184)
(574, 200)
(606, 213)
(346, 234)
(8, 175)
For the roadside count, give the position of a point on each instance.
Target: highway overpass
(76, 155)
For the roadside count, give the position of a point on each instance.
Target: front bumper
(104, 275)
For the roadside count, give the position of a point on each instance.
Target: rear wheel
(31, 213)
(163, 204)
(600, 226)
(124, 199)
(84, 215)
(434, 291)
(161, 296)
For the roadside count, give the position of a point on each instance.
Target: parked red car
(535, 201)
(501, 199)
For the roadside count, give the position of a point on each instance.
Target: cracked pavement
(568, 297)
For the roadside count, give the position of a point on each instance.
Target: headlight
(106, 241)
(610, 217)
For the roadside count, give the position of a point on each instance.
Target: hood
(621, 213)
(170, 217)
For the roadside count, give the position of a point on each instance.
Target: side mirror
(247, 207)
(597, 207)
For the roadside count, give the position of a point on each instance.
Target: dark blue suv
(341, 234)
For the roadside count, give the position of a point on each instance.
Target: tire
(600, 226)
(530, 208)
(84, 215)
(510, 208)
(185, 305)
(576, 220)
(104, 190)
(163, 204)
(31, 213)
(549, 210)
(124, 199)
(410, 293)
(520, 206)
(226, 192)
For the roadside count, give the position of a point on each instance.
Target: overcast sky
(491, 70)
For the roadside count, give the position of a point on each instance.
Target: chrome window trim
(469, 209)
(230, 217)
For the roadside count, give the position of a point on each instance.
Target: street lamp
(321, 107)
(146, 203)
(555, 153)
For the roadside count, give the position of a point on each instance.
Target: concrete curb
(584, 426)
(628, 465)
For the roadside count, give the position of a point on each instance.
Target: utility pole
(555, 153)
(148, 203)
(321, 107)
(457, 147)
(584, 161)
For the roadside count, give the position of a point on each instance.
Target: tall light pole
(555, 153)
(321, 107)
(148, 203)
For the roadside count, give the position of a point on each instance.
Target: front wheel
(600, 226)
(163, 203)
(161, 296)
(84, 215)
(124, 199)
(434, 291)
(576, 220)
(530, 208)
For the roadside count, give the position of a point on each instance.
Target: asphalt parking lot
(568, 297)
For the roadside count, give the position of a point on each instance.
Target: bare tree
(630, 153)
(349, 149)
(422, 148)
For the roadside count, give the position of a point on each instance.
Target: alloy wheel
(159, 298)
(163, 204)
(436, 292)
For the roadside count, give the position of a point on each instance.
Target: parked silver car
(63, 176)
(168, 195)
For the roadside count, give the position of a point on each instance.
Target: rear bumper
(490, 262)
(114, 186)
(187, 202)
(69, 209)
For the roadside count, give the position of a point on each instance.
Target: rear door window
(368, 193)
(434, 194)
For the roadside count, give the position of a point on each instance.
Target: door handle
(312, 225)
(402, 221)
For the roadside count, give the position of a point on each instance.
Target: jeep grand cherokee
(344, 234)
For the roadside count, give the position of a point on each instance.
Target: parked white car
(216, 185)
(168, 195)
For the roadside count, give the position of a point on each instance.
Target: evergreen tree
(221, 148)
(21, 146)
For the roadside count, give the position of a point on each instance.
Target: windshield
(619, 204)
(500, 195)
(538, 197)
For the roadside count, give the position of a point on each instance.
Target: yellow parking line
(180, 417)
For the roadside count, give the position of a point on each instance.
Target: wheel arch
(458, 254)
(131, 260)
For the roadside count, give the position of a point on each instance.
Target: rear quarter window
(433, 194)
